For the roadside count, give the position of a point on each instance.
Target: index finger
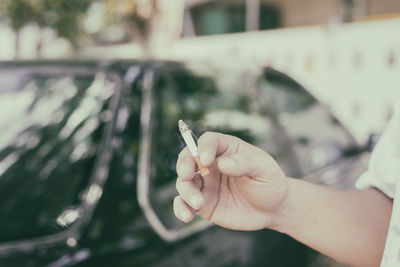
(211, 145)
(185, 165)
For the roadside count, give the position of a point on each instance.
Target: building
(207, 17)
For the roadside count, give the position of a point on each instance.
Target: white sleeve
(384, 165)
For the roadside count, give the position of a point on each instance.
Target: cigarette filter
(191, 144)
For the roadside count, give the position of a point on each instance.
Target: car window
(315, 135)
(50, 133)
(283, 93)
(118, 213)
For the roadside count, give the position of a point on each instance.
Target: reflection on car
(88, 152)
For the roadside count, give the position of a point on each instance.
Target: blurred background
(343, 54)
(346, 52)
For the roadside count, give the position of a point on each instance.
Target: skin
(247, 190)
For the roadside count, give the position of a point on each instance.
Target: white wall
(354, 68)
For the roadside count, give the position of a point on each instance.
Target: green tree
(64, 16)
(153, 24)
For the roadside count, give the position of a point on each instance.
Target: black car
(88, 152)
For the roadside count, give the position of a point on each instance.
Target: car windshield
(50, 132)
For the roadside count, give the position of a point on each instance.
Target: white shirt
(384, 173)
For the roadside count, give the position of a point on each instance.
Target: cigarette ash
(183, 126)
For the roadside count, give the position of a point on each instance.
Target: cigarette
(190, 143)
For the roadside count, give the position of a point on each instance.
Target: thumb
(256, 165)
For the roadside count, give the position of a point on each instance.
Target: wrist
(283, 214)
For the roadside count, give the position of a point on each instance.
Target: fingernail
(184, 216)
(196, 201)
(181, 170)
(204, 158)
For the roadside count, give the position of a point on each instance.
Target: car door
(208, 100)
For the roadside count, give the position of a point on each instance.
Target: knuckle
(179, 163)
(234, 139)
(181, 187)
(183, 153)
(178, 184)
(206, 136)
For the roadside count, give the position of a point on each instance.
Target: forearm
(349, 226)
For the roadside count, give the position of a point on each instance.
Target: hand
(244, 190)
